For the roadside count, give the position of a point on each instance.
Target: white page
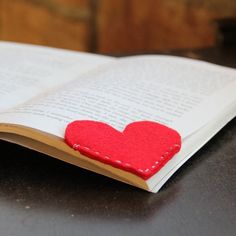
(190, 146)
(158, 88)
(27, 71)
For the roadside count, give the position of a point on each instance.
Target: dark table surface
(43, 196)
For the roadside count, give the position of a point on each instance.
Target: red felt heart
(143, 148)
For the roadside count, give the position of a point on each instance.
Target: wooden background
(114, 26)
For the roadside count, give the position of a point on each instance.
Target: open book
(43, 89)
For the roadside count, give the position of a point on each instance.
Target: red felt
(143, 148)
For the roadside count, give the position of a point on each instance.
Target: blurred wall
(114, 26)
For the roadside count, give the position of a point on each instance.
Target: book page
(27, 71)
(157, 88)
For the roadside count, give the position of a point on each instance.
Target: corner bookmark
(143, 147)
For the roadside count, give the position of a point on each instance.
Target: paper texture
(176, 92)
(27, 71)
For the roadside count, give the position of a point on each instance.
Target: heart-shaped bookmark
(143, 148)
